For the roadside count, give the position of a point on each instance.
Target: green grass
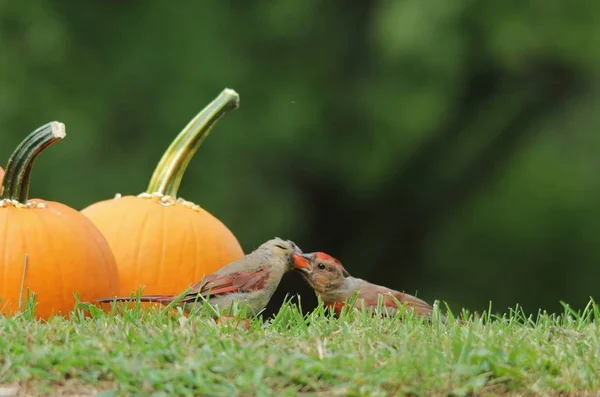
(129, 352)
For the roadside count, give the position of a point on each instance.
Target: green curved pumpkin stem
(15, 185)
(171, 167)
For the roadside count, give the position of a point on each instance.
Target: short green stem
(169, 171)
(18, 170)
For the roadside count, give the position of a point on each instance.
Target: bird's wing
(211, 285)
(370, 293)
(421, 307)
(219, 284)
(143, 298)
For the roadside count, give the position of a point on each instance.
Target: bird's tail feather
(144, 298)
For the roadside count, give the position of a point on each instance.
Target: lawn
(161, 352)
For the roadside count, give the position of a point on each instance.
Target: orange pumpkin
(47, 248)
(162, 243)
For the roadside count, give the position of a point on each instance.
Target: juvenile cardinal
(251, 280)
(335, 286)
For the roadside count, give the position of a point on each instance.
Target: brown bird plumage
(332, 282)
(251, 280)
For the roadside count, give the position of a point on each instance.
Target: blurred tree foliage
(449, 147)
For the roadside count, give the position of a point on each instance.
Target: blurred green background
(445, 148)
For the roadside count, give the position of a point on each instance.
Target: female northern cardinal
(251, 280)
(336, 286)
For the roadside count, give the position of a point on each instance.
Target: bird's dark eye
(321, 266)
(280, 246)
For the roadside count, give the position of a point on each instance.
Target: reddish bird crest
(326, 257)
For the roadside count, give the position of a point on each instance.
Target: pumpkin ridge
(106, 234)
(197, 248)
(57, 262)
(5, 268)
(138, 252)
(122, 219)
(162, 250)
(188, 241)
(29, 258)
(84, 249)
(107, 253)
(97, 247)
(88, 255)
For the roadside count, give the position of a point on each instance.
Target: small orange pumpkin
(47, 248)
(162, 243)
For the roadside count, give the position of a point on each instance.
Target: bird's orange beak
(302, 263)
